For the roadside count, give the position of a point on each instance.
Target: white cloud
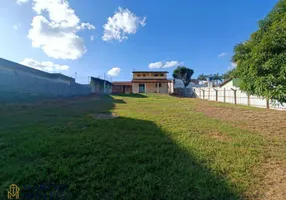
(122, 23)
(169, 64)
(16, 26)
(156, 65)
(166, 64)
(92, 37)
(55, 33)
(47, 66)
(234, 65)
(222, 54)
(22, 1)
(115, 71)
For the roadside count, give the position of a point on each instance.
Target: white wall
(226, 95)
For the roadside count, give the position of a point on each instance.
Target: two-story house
(151, 82)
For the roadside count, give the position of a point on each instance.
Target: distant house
(151, 82)
(122, 87)
(99, 86)
(230, 83)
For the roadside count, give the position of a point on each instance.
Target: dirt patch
(274, 181)
(219, 136)
(270, 124)
(267, 122)
(104, 116)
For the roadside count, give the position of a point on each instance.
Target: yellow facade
(151, 88)
(151, 82)
(149, 75)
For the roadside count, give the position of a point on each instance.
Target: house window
(161, 74)
(158, 84)
(155, 74)
(138, 75)
(144, 74)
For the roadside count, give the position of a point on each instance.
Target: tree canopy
(261, 61)
(183, 73)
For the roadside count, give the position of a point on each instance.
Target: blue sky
(140, 35)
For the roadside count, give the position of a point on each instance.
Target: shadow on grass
(131, 95)
(120, 158)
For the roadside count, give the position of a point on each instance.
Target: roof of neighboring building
(151, 81)
(123, 83)
(150, 72)
(100, 80)
(236, 82)
(225, 82)
(195, 81)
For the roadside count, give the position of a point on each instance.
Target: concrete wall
(235, 96)
(20, 84)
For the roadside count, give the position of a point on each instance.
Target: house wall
(20, 84)
(135, 87)
(151, 88)
(128, 89)
(100, 86)
(171, 87)
(150, 75)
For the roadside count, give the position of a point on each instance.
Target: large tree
(261, 61)
(183, 73)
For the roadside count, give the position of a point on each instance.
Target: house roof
(195, 81)
(123, 83)
(151, 81)
(99, 80)
(150, 72)
(236, 82)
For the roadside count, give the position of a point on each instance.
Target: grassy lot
(152, 147)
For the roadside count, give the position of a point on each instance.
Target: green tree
(261, 61)
(183, 73)
(202, 77)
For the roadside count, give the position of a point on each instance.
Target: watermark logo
(14, 192)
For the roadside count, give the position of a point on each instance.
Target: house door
(141, 88)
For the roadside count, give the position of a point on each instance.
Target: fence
(236, 96)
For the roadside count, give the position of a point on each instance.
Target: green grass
(158, 147)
